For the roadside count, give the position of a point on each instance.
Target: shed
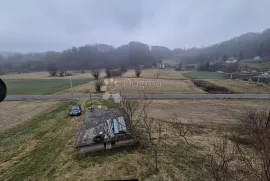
(104, 129)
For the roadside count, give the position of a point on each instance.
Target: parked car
(75, 110)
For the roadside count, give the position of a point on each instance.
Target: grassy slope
(36, 87)
(203, 75)
(43, 149)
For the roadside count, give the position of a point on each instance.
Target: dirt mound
(212, 88)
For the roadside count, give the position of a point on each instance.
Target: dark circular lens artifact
(3, 90)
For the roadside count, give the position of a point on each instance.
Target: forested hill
(247, 45)
(135, 53)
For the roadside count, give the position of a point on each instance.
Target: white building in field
(257, 58)
(160, 66)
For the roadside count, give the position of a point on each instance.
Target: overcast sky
(40, 25)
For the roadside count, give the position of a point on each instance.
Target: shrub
(138, 72)
(254, 131)
(69, 74)
(98, 85)
(156, 75)
(95, 73)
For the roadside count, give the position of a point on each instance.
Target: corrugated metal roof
(95, 121)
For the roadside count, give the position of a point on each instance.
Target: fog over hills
(56, 25)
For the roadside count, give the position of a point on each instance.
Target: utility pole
(71, 85)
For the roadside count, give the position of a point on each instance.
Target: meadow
(42, 147)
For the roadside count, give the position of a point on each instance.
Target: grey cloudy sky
(40, 25)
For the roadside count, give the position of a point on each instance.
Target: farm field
(241, 86)
(169, 74)
(203, 75)
(141, 85)
(39, 86)
(43, 148)
(45, 75)
(169, 81)
(14, 113)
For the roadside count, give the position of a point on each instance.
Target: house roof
(95, 121)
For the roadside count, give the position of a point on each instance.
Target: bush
(254, 131)
(95, 73)
(98, 85)
(52, 69)
(113, 73)
(156, 75)
(53, 73)
(138, 72)
(69, 74)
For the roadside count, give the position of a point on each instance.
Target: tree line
(135, 54)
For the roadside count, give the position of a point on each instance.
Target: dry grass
(163, 74)
(149, 73)
(217, 110)
(50, 154)
(142, 85)
(13, 113)
(241, 86)
(208, 115)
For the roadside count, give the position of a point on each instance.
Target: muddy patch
(212, 88)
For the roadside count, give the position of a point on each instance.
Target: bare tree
(181, 126)
(254, 131)
(220, 160)
(95, 73)
(131, 106)
(147, 131)
(52, 69)
(98, 85)
(153, 142)
(138, 71)
(136, 110)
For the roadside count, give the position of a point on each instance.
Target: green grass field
(40, 87)
(203, 75)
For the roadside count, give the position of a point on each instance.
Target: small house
(104, 129)
(257, 58)
(247, 69)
